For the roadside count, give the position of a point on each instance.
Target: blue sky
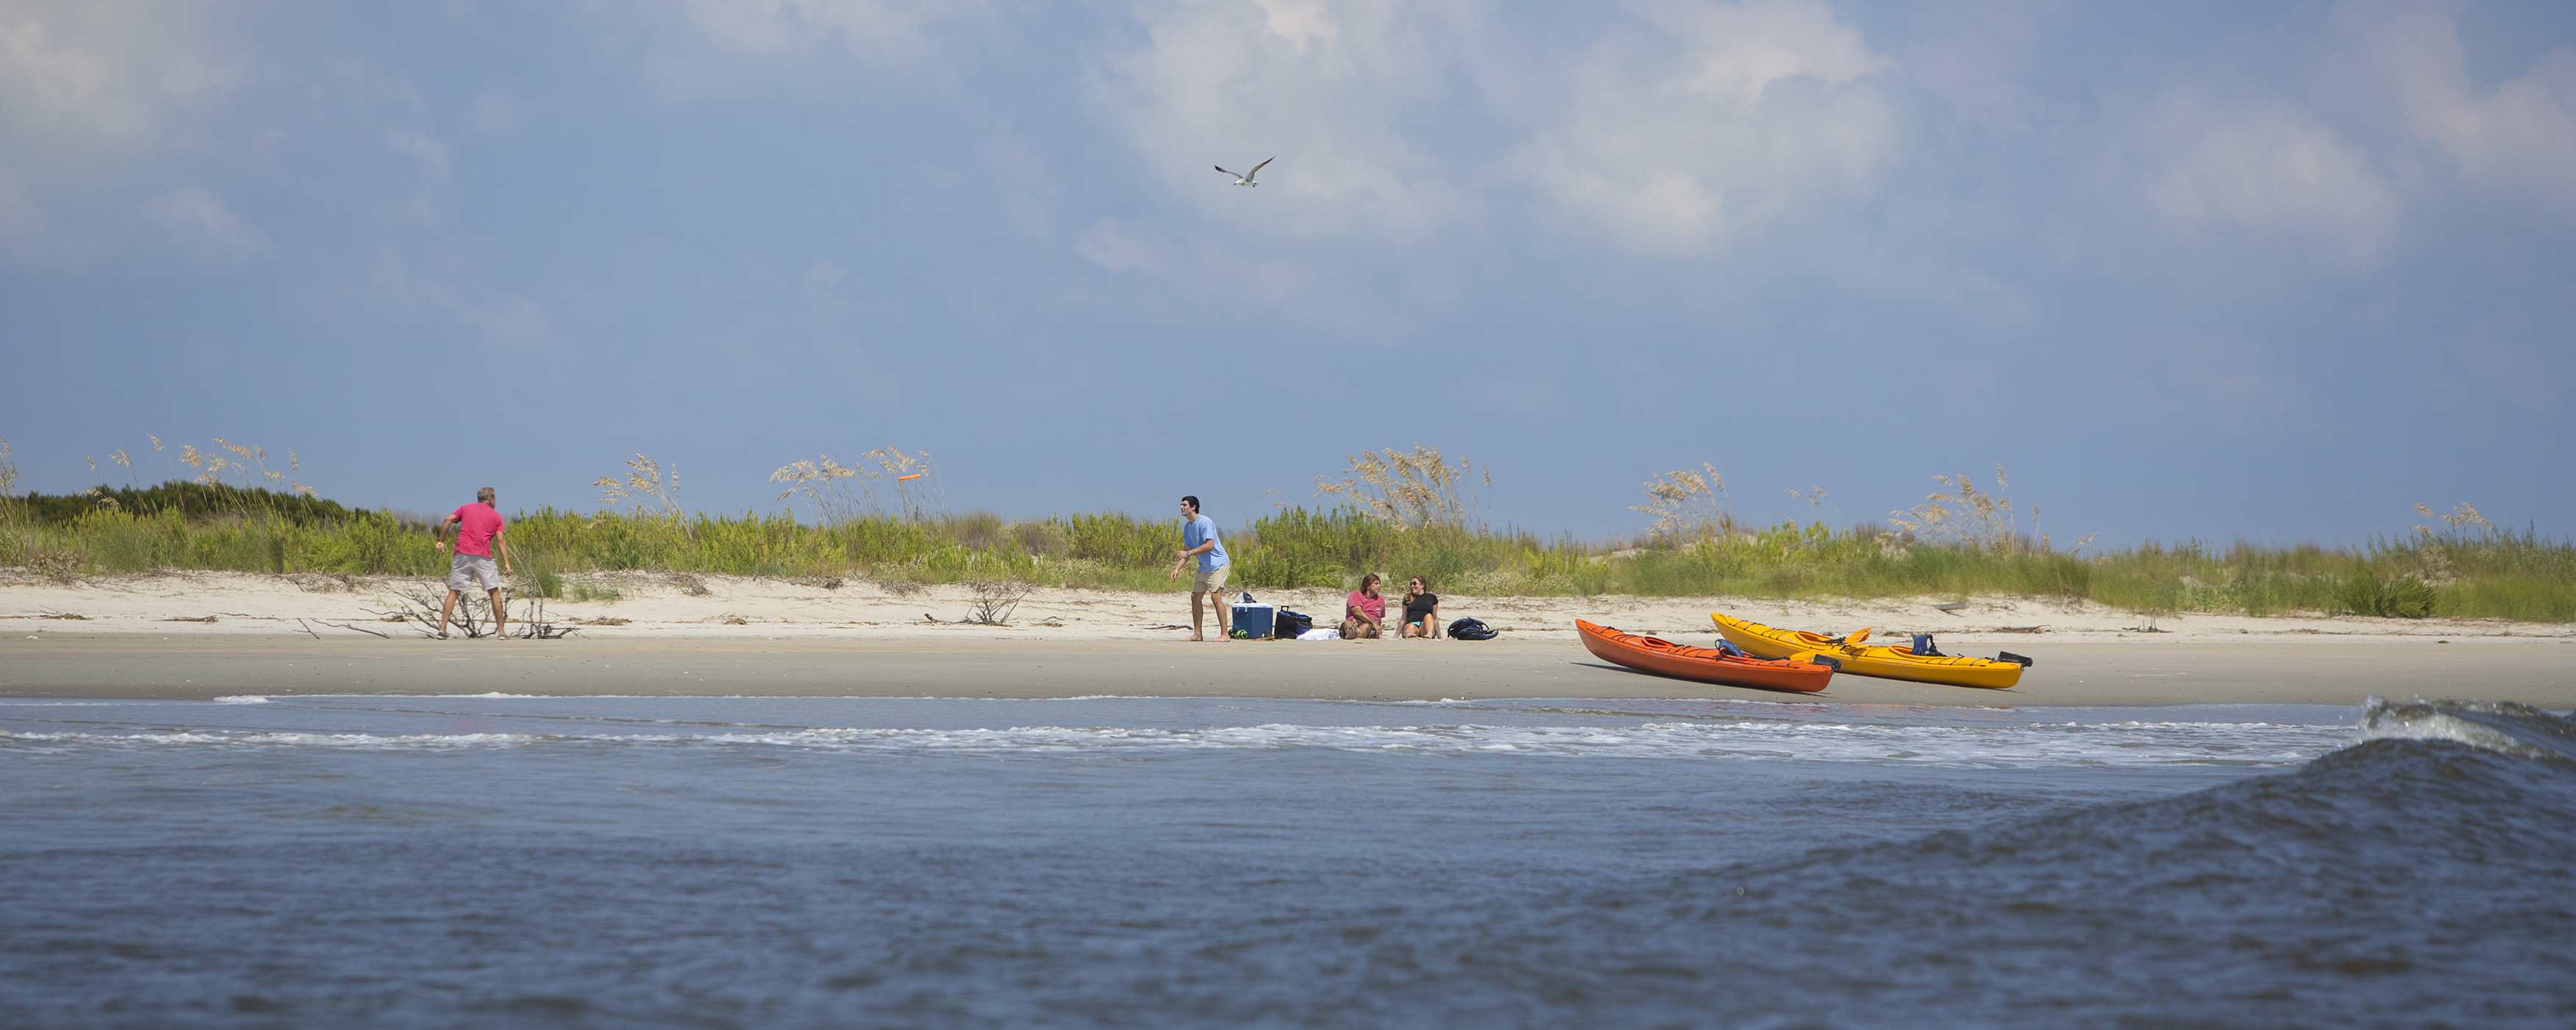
(2218, 270)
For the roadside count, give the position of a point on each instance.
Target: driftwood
(995, 599)
(420, 607)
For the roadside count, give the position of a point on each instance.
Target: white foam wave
(2127, 745)
(242, 699)
(2499, 726)
(365, 741)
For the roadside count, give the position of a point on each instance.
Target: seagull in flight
(1245, 178)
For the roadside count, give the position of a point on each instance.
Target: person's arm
(501, 542)
(1181, 558)
(438, 534)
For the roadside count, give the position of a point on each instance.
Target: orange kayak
(1707, 665)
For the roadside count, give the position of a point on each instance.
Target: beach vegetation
(1396, 513)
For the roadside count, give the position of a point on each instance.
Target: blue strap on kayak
(1726, 648)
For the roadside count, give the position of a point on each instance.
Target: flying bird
(1245, 178)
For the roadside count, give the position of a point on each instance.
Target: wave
(2044, 745)
(2503, 727)
(2416, 872)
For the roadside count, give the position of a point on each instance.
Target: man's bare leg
(446, 610)
(1198, 615)
(500, 616)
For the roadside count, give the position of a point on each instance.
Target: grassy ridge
(2456, 573)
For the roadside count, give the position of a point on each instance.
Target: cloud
(22, 226)
(2272, 169)
(2520, 137)
(394, 278)
(1338, 91)
(1716, 116)
(431, 153)
(103, 70)
(1657, 129)
(1203, 265)
(1740, 49)
(1976, 56)
(868, 28)
(198, 222)
(1115, 249)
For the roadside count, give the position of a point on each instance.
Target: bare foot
(1197, 638)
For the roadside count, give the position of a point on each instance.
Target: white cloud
(1204, 266)
(1976, 57)
(2270, 168)
(1113, 248)
(197, 221)
(869, 28)
(88, 89)
(100, 70)
(1335, 90)
(394, 277)
(494, 113)
(1740, 49)
(431, 153)
(1724, 114)
(1403, 120)
(2520, 137)
(21, 225)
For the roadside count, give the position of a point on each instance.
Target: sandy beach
(666, 635)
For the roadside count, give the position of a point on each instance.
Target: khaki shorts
(466, 571)
(1211, 580)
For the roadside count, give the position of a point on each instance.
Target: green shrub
(2369, 593)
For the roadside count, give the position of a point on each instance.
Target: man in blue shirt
(1198, 540)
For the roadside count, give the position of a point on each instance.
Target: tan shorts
(1211, 580)
(467, 571)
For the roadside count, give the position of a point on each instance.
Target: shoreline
(2117, 673)
(280, 635)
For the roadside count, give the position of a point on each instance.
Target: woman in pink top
(1365, 615)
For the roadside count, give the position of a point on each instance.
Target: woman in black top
(1421, 610)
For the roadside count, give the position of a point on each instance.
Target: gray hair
(485, 495)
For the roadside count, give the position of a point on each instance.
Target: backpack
(1286, 625)
(1470, 629)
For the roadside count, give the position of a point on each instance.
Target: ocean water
(1134, 862)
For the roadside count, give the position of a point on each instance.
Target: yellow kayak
(1895, 663)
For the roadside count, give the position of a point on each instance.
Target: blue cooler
(1253, 620)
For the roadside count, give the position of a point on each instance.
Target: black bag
(1286, 625)
(1470, 629)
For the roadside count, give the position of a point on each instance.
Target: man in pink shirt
(478, 530)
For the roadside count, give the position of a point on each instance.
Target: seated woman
(1421, 610)
(1365, 614)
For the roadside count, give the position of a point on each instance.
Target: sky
(2213, 271)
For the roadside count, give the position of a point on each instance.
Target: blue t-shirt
(1202, 530)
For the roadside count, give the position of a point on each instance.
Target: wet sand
(2134, 671)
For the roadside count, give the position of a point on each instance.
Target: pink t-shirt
(476, 525)
(1373, 607)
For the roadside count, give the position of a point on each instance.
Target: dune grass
(1399, 514)
(2481, 574)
